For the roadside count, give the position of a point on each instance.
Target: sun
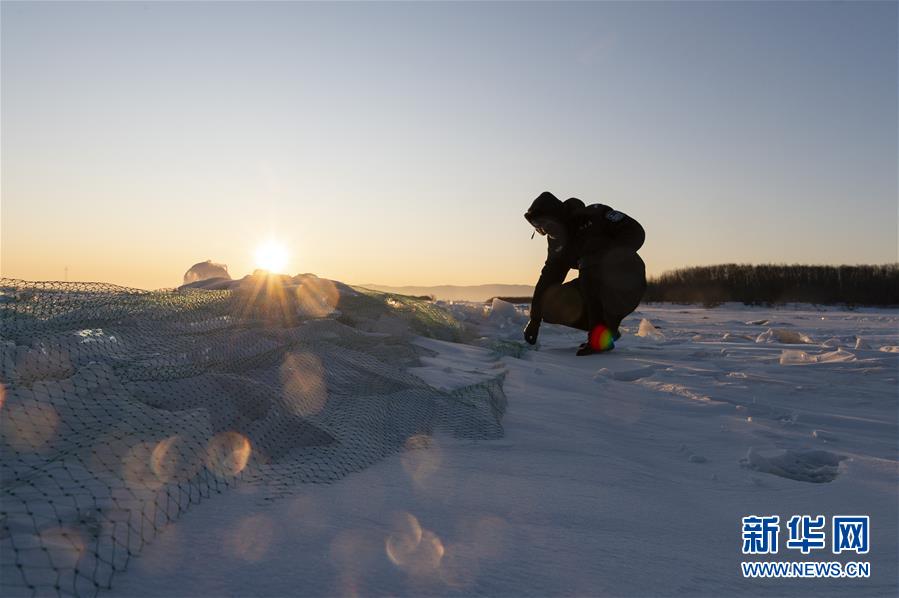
(271, 256)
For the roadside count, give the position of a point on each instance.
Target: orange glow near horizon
(360, 162)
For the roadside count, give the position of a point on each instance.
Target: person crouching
(602, 244)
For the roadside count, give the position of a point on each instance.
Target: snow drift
(480, 465)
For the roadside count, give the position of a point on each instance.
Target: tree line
(778, 283)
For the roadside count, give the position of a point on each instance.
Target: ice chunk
(795, 357)
(845, 341)
(838, 356)
(603, 375)
(647, 330)
(736, 338)
(206, 270)
(780, 335)
(500, 310)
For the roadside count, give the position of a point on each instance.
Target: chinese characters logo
(849, 533)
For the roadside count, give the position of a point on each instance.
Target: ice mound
(730, 337)
(205, 271)
(796, 357)
(845, 341)
(647, 330)
(838, 356)
(787, 337)
(815, 466)
(500, 310)
(603, 375)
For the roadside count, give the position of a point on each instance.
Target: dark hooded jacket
(590, 231)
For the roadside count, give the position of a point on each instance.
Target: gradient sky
(400, 143)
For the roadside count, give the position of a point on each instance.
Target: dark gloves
(531, 331)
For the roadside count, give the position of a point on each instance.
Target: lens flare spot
(404, 539)
(136, 468)
(429, 554)
(64, 546)
(172, 461)
(348, 586)
(421, 458)
(459, 566)
(168, 554)
(600, 338)
(303, 383)
(106, 454)
(227, 454)
(251, 539)
(416, 550)
(489, 536)
(310, 517)
(316, 297)
(43, 364)
(353, 552)
(29, 425)
(564, 304)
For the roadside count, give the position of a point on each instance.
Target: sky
(400, 143)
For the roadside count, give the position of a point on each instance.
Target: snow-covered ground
(624, 473)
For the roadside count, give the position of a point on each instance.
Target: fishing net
(120, 408)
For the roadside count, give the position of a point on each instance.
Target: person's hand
(531, 331)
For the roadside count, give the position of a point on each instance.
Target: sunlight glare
(271, 256)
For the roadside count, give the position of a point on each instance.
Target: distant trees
(771, 283)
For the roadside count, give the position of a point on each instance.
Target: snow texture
(110, 433)
(624, 473)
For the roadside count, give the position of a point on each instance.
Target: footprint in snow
(635, 374)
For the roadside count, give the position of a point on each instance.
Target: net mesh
(123, 408)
